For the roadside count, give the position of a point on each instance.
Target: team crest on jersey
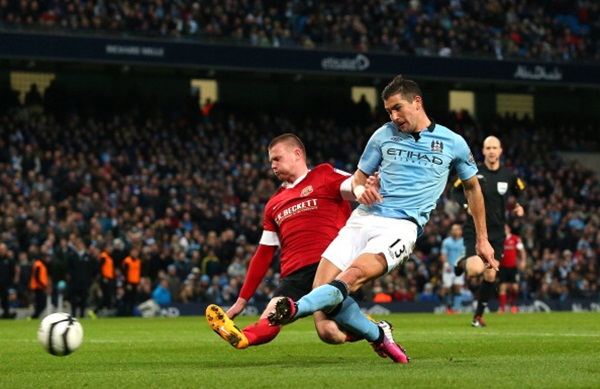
(502, 187)
(306, 191)
(437, 146)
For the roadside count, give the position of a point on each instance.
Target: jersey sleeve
(464, 162)
(259, 264)
(520, 244)
(333, 179)
(269, 238)
(270, 234)
(444, 249)
(371, 156)
(262, 258)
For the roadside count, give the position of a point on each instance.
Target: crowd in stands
(556, 30)
(185, 198)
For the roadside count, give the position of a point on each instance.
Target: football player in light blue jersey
(413, 168)
(414, 157)
(453, 248)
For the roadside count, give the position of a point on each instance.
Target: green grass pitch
(539, 350)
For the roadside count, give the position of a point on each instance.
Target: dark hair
(289, 138)
(408, 89)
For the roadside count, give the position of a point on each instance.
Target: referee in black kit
(497, 184)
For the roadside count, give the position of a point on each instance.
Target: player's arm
(347, 187)
(518, 191)
(37, 275)
(259, 265)
(366, 188)
(17, 275)
(477, 209)
(522, 255)
(125, 269)
(458, 193)
(444, 259)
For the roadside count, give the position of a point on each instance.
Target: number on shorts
(397, 252)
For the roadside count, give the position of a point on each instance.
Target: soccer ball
(60, 334)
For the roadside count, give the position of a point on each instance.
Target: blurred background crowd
(183, 196)
(128, 199)
(557, 30)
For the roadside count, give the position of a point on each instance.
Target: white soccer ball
(60, 334)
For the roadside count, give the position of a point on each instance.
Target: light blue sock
(324, 297)
(353, 319)
(457, 302)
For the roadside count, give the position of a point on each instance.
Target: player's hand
(236, 308)
(486, 252)
(518, 210)
(373, 181)
(369, 196)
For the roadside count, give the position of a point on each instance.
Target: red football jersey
(307, 217)
(512, 245)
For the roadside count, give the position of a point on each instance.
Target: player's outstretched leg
(387, 328)
(322, 298)
(219, 322)
(388, 347)
(355, 336)
(284, 312)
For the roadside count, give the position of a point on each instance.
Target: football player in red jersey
(301, 218)
(509, 270)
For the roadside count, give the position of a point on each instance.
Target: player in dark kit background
(497, 183)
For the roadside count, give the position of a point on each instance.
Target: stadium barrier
(151, 309)
(377, 309)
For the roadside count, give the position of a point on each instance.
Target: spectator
(40, 284)
(132, 270)
(161, 293)
(8, 278)
(117, 205)
(81, 270)
(107, 279)
(173, 281)
(428, 294)
(33, 99)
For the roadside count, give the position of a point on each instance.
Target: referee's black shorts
(496, 236)
(508, 275)
(298, 283)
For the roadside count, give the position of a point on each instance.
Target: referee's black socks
(486, 291)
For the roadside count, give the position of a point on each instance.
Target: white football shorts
(449, 279)
(368, 233)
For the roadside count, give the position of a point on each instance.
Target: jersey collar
(287, 185)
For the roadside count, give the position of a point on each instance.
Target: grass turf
(550, 350)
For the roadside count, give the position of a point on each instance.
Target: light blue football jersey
(453, 248)
(413, 172)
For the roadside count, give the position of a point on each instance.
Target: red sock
(502, 298)
(511, 298)
(261, 332)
